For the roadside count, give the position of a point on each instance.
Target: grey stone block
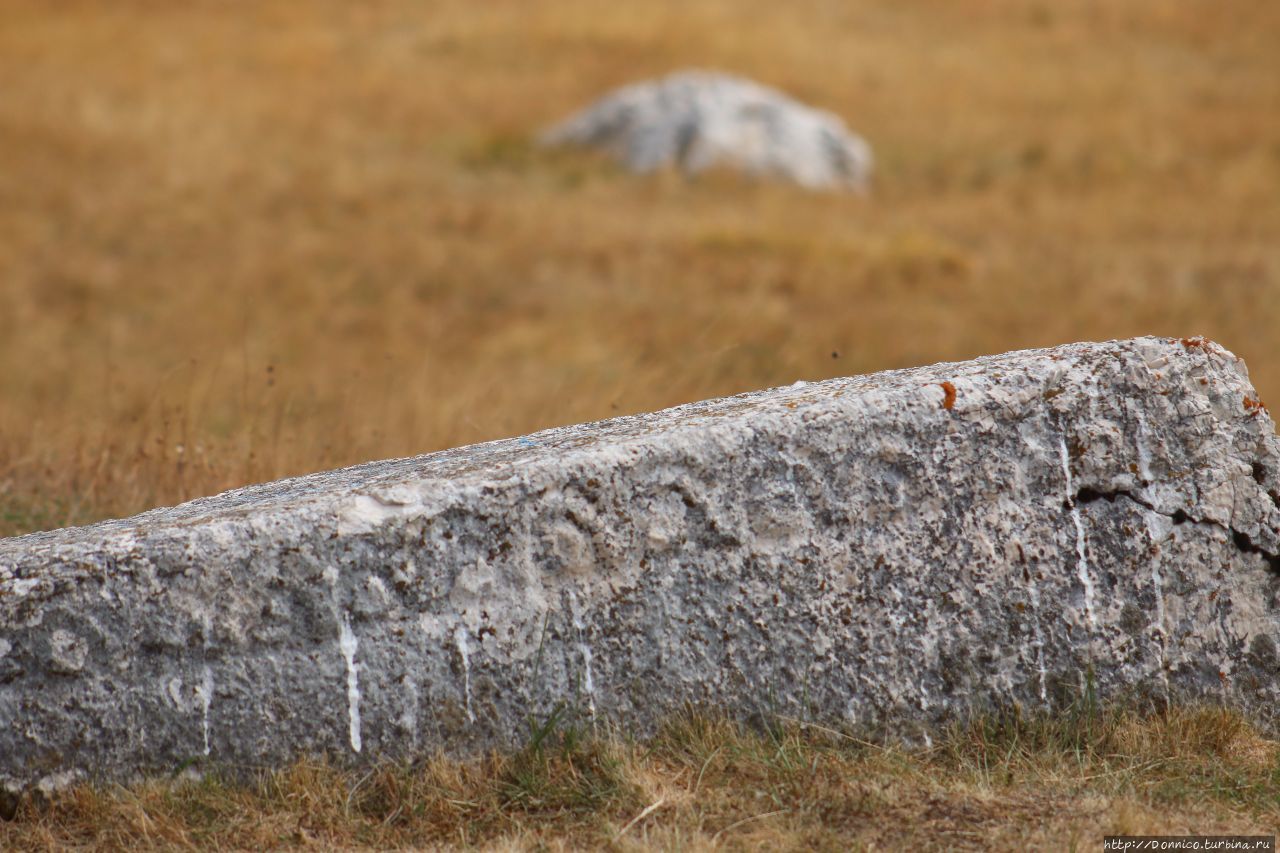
(888, 551)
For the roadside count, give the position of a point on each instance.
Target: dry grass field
(244, 240)
(241, 240)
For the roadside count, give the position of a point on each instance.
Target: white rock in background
(697, 120)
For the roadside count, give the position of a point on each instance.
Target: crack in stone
(1246, 544)
(1082, 558)
(1260, 477)
(1239, 538)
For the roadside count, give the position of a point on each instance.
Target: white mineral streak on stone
(409, 716)
(206, 677)
(1159, 527)
(460, 640)
(1082, 561)
(206, 699)
(696, 120)
(348, 643)
(840, 550)
(1157, 583)
(584, 650)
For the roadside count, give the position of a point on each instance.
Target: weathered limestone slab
(697, 120)
(888, 550)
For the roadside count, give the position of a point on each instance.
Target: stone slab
(888, 551)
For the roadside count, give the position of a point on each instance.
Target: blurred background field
(245, 240)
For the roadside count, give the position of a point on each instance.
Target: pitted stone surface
(888, 551)
(698, 120)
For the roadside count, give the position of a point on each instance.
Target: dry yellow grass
(240, 240)
(243, 240)
(705, 784)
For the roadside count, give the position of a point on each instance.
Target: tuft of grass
(705, 782)
(561, 770)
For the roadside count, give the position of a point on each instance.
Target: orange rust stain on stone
(1253, 405)
(1192, 343)
(950, 391)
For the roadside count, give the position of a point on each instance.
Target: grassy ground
(244, 240)
(704, 784)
